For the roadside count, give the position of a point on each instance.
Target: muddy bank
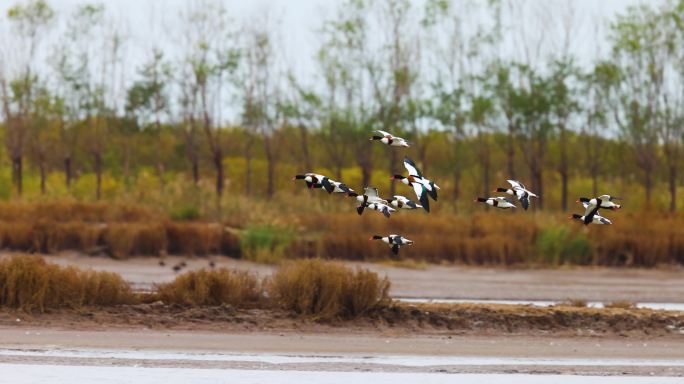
(465, 319)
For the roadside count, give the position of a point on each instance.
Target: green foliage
(186, 212)
(265, 243)
(558, 245)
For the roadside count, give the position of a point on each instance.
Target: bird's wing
(590, 212)
(585, 204)
(411, 204)
(432, 191)
(411, 167)
(422, 194)
(386, 211)
(395, 249)
(525, 201)
(343, 187)
(384, 133)
(516, 184)
(328, 185)
(371, 192)
(360, 209)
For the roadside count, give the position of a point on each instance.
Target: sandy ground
(16, 341)
(49, 336)
(455, 282)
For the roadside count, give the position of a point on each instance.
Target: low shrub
(620, 305)
(29, 283)
(265, 243)
(126, 239)
(327, 290)
(213, 287)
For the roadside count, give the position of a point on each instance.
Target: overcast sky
(149, 22)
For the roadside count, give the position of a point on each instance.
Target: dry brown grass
(29, 283)
(213, 287)
(327, 290)
(126, 239)
(620, 305)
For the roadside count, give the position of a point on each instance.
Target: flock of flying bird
(426, 189)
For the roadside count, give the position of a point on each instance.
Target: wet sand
(24, 345)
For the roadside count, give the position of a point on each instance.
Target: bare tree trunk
(485, 163)
(673, 187)
(392, 169)
(98, 174)
(270, 166)
(17, 168)
(304, 141)
(218, 164)
(41, 168)
(510, 151)
(195, 168)
(248, 167)
(68, 173)
(563, 169)
(457, 184)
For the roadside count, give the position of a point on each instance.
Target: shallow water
(64, 374)
(394, 360)
(536, 303)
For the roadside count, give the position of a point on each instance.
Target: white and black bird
(314, 180)
(370, 195)
(404, 203)
(394, 241)
(592, 206)
(389, 139)
(518, 190)
(498, 202)
(596, 219)
(380, 207)
(421, 186)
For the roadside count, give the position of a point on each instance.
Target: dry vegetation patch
(29, 283)
(327, 290)
(214, 287)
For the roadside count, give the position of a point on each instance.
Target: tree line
(476, 93)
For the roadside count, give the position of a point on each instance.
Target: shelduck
(498, 202)
(380, 207)
(389, 139)
(370, 195)
(593, 205)
(314, 180)
(596, 219)
(519, 191)
(421, 186)
(404, 203)
(394, 241)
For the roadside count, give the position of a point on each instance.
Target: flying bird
(314, 180)
(380, 207)
(498, 202)
(593, 205)
(421, 186)
(389, 139)
(404, 203)
(596, 219)
(519, 191)
(394, 241)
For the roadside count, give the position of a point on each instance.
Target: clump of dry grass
(620, 304)
(195, 238)
(327, 290)
(213, 287)
(29, 283)
(126, 239)
(576, 303)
